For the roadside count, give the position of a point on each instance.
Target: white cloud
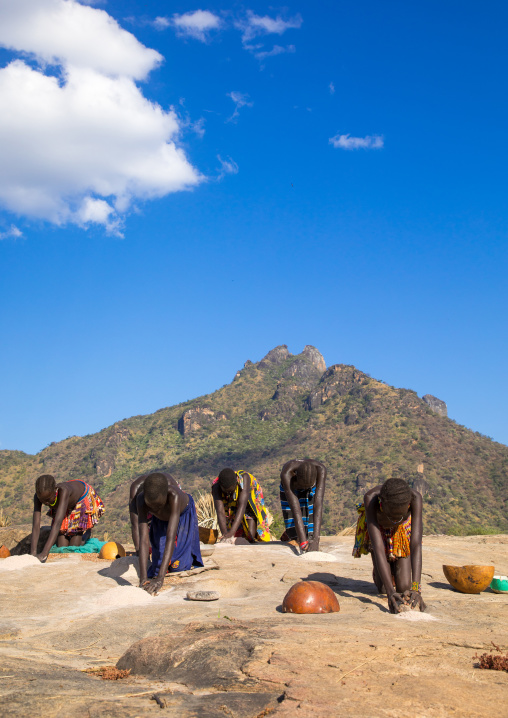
(13, 232)
(254, 25)
(199, 127)
(331, 88)
(276, 50)
(66, 32)
(228, 167)
(346, 142)
(83, 146)
(196, 24)
(161, 23)
(241, 99)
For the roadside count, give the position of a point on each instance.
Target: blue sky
(181, 191)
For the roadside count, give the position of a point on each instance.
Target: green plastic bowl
(499, 584)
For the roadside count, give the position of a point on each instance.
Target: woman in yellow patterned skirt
(390, 529)
(240, 506)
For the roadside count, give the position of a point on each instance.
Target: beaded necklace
(56, 499)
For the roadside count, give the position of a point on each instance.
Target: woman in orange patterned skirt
(390, 529)
(74, 507)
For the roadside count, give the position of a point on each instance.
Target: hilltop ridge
(281, 407)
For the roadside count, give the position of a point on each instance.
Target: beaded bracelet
(415, 586)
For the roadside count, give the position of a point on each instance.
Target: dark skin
(290, 483)
(241, 508)
(168, 508)
(69, 493)
(403, 570)
(133, 509)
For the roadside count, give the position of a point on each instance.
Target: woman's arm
(318, 504)
(416, 550)
(61, 510)
(157, 582)
(287, 473)
(143, 538)
(36, 526)
(133, 510)
(219, 508)
(394, 598)
(241, 507)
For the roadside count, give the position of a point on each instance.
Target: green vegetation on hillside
(280, 408)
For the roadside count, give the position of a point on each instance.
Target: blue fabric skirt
(187, 552)
(306, 500)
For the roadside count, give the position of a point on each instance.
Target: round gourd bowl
(469, 579)
(208, 536)
(112, 550)
(499, 584)
(310, 597)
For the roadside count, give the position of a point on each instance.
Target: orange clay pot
(4, 552)
(310, 597)
(469, 579)
(112, 550)
(208, 535)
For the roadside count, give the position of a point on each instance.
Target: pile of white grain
(121, 597)
(318, 556)
(14, 563)
(415, 615)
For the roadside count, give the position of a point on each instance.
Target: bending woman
(390, 529)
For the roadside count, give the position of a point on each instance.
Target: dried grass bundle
(205, 509)
(349, 531)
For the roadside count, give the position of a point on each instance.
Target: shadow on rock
(18, 538)
(442, 584)
(125, 571)
(347, 587)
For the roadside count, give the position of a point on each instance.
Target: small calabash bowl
(111, 551)
(469, 579)
(4, 552)
(310, 597)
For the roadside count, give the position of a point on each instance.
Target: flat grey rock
(203, 595)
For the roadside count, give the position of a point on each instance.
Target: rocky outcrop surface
(338, 380)
(105, 458)
(362, 482)
(300, 376)
(17, 538)
(436, 404)
(315, 357)
(105, 467)
(285, 401)
(275, 356)
(194, 419)
(303, 373)
(117, 437)
(195, 655)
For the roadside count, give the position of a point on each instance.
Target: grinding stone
(203, 595)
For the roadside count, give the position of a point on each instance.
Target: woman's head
(228, 480)
(155, 489)
(395, 498)
(306, 476)
(45, 488)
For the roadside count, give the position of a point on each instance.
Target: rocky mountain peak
(315, 357)
(275, 356)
